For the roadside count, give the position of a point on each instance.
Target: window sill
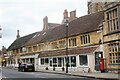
(112, 32)
(115, 64)
(83, 66)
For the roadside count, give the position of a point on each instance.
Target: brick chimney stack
(65, 14)
(45, 23)
(18, 35)
(72, 15)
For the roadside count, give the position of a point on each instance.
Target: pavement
(95, 75)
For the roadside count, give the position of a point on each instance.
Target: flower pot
(46, 68)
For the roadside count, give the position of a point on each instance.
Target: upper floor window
(20, 50)
(34, 48)
(41, 47)
(85, 39)
(62, 44)
(24, 49)
(112, 20)
(29, 49)
(72, 42)
(54, 45)
(47, 46)
(17, 51)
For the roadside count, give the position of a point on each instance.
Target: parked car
(26, 67)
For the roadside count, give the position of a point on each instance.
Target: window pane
(73, 61)
(89, 38)
(108, 26)
(75, 42)
(110, 58)
(107, 16)
(109, 48)
(114, 24)
(51, 62)
(112, 48)
(55, 62)
(81, 40)
(117, 24)
(42, 61)
(46, 61)
(59, 62)
(111, 15)
(116, 12)
(83, 60)
(116, 57)
(111, 25)
(113, 58)
(86, 38)
(115, 47)
(68, 61)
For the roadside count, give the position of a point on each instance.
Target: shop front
(79, 59)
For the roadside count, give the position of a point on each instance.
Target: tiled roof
(70, 52)
(52, 25)
(20, 41)
(78, 26)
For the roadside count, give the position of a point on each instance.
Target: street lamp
(66, 24)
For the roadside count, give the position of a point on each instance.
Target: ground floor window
(114, 53)
(46, 61)
(58, 61)
(83, 60)
(55, 62)
(42, 61)
(73, 61)
(50, 62)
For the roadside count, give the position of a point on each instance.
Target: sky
(27, 15)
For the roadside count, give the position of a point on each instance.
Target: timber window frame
(114, 53)
(41, 47)
(29, 49)
(54, 45)
(34, 48)
(85, 39)
(112, 20)
(62, 44)
(72, 42)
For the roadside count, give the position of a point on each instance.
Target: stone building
(111, 36)
(94, 7)
(90, 38)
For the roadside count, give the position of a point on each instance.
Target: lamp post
(66, 24)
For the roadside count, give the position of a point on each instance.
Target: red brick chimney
(65, 14)
(72, 15)
(45, 23)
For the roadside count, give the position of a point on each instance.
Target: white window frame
(87, 61)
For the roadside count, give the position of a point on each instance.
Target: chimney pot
(18, 35)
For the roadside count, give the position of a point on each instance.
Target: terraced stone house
(90, 37)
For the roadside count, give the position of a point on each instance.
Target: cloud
(27, 15)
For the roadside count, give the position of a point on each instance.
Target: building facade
(90, 38)
(111, 34)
